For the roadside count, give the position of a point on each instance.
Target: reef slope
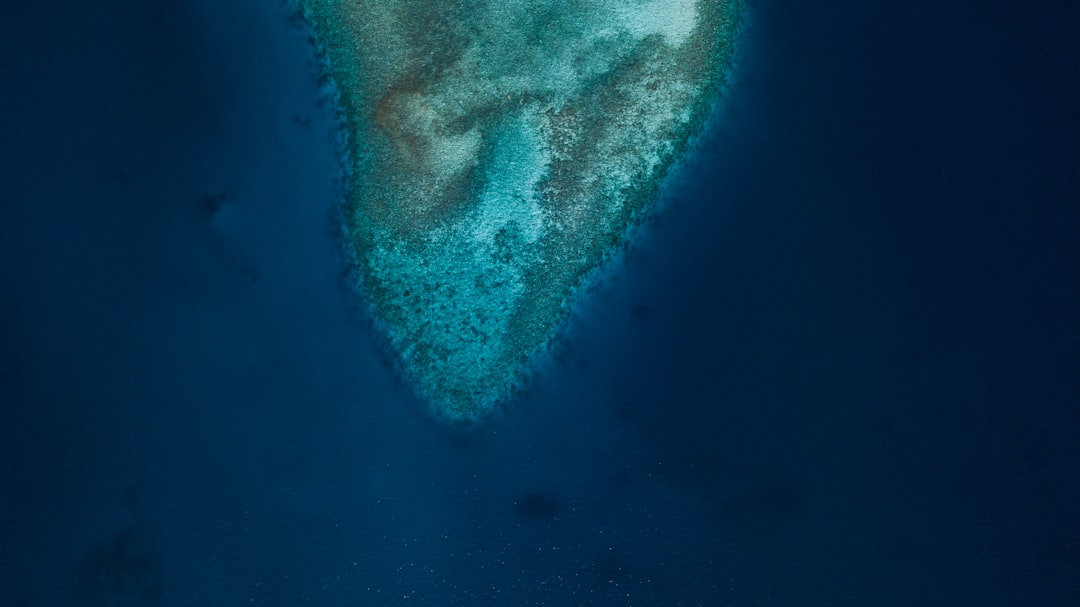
(498, 151)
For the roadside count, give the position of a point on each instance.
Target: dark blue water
(838, 370)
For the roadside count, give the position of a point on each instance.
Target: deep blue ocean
(840, 368)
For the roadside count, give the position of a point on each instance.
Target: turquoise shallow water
(498, 157)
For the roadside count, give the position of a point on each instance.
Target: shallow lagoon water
(496, 156)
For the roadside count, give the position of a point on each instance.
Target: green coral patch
(498, 152)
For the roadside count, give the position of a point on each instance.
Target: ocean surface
(839, 368)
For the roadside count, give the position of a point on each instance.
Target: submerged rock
(497, 152)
